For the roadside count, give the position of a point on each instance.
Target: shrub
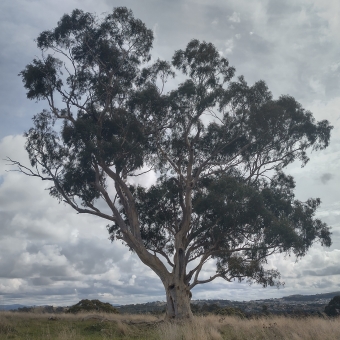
(92, 305)
(333, 307)
(230, 311)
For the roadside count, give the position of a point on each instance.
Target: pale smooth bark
(178, 298)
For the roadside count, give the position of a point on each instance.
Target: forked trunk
(178, 298)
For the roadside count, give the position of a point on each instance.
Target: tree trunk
(178, 298)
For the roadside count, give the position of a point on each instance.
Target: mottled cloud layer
(50, 254)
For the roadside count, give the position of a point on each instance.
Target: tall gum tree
(218, 148)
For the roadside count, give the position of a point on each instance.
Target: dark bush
(333, 307)
(92, 306)
(25, 309)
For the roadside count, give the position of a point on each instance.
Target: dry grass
(112, 326)
(215, 328)
(201, 328)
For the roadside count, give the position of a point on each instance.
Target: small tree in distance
(218, 148)
(333, 307)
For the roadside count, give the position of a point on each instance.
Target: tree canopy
(218, 147)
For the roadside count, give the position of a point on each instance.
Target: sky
(51, 255)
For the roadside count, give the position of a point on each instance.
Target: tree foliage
(333, 307)
(218, 147)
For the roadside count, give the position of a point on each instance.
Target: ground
(81, 326)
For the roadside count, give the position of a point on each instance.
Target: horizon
(163, 301)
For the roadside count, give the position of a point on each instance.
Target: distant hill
(291, 302)
(314, 297)
(11, 307)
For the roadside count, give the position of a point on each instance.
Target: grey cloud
(331, 80)
(90, 289)
(89, 256)
(40, 281)
(325, 178)
(280, 10)
(17, 268)
(5, 223)
(249, 47)
(323, 284)
(331, 270)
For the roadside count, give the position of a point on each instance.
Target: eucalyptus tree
(218, 148)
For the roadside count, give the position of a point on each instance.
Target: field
(107, 326)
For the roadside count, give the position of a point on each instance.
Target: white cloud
(146, 179)
(10, 285)
(155, 29)
(235, 17)
(316, 86)
(132, 280)
(335, 66)
(214, 22)
(229, 46)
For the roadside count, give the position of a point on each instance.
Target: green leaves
(202, 62)
(41, 78)
(92, 78)
(68, 30)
